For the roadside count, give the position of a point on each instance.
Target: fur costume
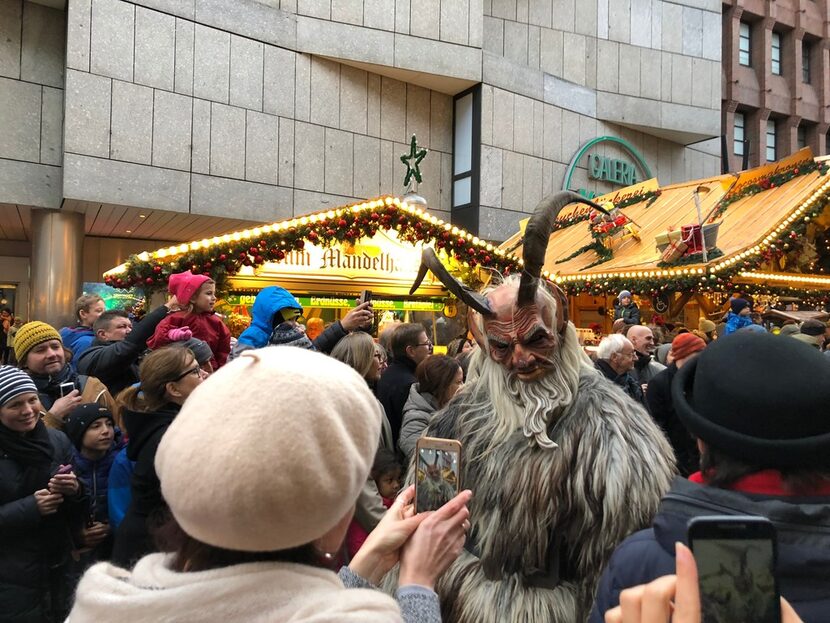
(562, 464)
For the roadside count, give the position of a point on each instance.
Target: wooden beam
(706, 305)
(676, 306)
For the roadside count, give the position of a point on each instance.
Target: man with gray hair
(615, 360)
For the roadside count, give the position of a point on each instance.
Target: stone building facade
(776, 88)
(123, 123)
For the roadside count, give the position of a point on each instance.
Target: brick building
(125, 124)
(776, 85)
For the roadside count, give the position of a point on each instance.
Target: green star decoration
(412, 160)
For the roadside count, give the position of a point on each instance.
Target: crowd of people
(156, 471)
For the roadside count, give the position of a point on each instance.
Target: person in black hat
(758, 407)
(739, 315)
(811, 332)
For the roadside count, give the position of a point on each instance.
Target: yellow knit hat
(30, 335)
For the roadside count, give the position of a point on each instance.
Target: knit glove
(180, 334)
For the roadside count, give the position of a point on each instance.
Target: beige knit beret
(271, 451)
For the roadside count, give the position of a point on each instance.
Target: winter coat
(803, 526)
(734, 322)
(393, 391)
(261, 591)
(660, 405)
(629, 313)
(95, 477)
(77, 340)
(31, 545)
(116, 363)
(267, 303)
(417, 412)
(147, 507)
(48, 390)
(207, 326)
(357, 534)
(627, 382)
(119, 492)
(645, 368)
(369, 509)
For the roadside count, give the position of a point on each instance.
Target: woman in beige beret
(261, 470)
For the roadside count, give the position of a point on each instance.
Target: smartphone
(365, 297)
(736, 558)
(66, 388)
(437, 472)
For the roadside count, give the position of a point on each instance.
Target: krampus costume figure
(562, 465)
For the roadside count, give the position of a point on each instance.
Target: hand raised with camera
(173, 304)
(360, 316)
(436, 543)
(47, 502)
(673, 598)
(63, 406)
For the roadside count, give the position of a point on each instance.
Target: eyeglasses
(196, 371)
(428, 344)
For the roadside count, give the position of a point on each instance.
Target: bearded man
(562, 465)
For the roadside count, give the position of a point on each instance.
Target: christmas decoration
(223, 256)
(412, 160)
(605, 230)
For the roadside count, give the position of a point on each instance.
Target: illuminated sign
(334, 302)
(613, 170)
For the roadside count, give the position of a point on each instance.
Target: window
(771, 140)
(775, 56)
(466, 156)
(801, 138)
(744, 42)
(806, 54)
(739, 135)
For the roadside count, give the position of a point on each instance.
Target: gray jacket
(417, 412)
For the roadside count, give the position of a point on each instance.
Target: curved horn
(430, 261)
(537, 234)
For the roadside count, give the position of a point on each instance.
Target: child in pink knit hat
(198, 296)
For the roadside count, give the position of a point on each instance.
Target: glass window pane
(802, 137)
(463, 134)
(738, 137)
(770, 140)
(805, 62)
(462, 191)
(744, 44)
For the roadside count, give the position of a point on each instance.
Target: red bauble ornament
(439, 244)
(445, 235)
(472, 262)
(330, 232)
(375, 216)
(487, 259)
(243, 255)
(247, 262)
(280, 255)
(156, 269)
(471, 251)
(208, 265)
(149, 281)
(312, 235)
(342, 222)
(461, 242)
(259, 259)
(419, 225)
(300, 244)
(263, 243)
(253, 250)
(223, 257)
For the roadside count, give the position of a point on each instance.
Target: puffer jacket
(736, 322)
(802, 524)
(34, 549)
(133, 538)
(629, 313)
(77, 340)
(417, 412)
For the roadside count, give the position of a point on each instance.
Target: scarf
(49, 387)
(251, 592)
(765, 482)
(33, 451)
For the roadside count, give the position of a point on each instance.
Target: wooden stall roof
(745, 223)
(798, 316)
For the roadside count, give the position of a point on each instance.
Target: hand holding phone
(66, 388)
(437, 472)
(736, 558)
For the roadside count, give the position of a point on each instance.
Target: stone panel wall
(31, 103)
(216, 122)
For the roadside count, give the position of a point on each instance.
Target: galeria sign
(612, 170)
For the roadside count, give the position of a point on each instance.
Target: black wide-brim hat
(760, 399)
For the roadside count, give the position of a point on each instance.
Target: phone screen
(737, 580)
(437, 477)
(66, 389)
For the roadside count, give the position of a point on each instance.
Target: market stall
(327, 259)
(683, 249)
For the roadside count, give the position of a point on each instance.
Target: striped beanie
(30, 335)
(14, 382)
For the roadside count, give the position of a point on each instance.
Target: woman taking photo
(439, 379)
(168, 376)
(40, 508)
(261, 493)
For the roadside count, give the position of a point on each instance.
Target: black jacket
(147, 508)
(31, 544)
(627, 382)
(803, 526)
(630, 313)
(115, 364)
(393, 391)
(661, 407)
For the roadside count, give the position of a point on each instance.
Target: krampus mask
(521, 328)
